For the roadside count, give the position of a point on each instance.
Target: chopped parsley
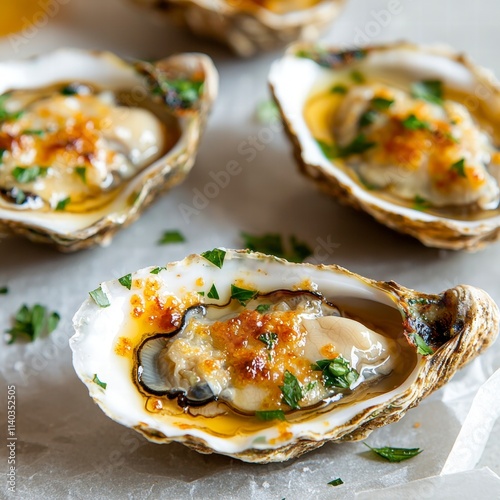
(33, 322)
(103, 385)
(99, 297)
(359, 145)
(411, 122)
(25, 175)
(180, 93)
(336, 482)
(20, 196)
(213, 293)
(4, 290)
(357, 76)
(336, 372)
(266, 416)
(459, 168)
(420, 203)
(4, 114)
(82, 173)
(339, 89)
(157, 270)
(202, 294)
(291, 390)
(367, 118)
(428, 90)
(262, 308)
(382, 104)
(395, 454)
(268, 112)
(30, 131)
(422, 347)
(242, 295)
(171, 237)
(126, 281)
(2, 153)
(215, 256)
(273, 244)
(61, 204)
(269, 339)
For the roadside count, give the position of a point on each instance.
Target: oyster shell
(253, 357)
(88, 140)
(249, 26)
(408, 134)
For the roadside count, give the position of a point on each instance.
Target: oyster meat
(253, 357)
(249, 26)
(409, 134)
(87, 140)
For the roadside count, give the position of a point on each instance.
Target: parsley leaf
(25, 175)
(367, 118)
(357, 76)
(358, 146)
(126, 281)
(61, 204)
(291, 390)
(262, 308)
(339, 89)
(459, 168)
(336, 372)
(268, 112)
(242, 295)
(420, 203)
(428, 90)
(99, 297)
(213, 293)
(4, 290)
(2, 153)
(272, 244)
(171, 237)
(33, 322)
(98, 382)
(4, 114)
(411, 122)
(30, 131)
(180, 93)
(269, 339)
(336, 482)
(215, 256)
(266, 416)
(82, 173)
(382, 104)
(157, 270)
(395, 454)
(422, 347)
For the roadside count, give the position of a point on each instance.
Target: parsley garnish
(98, 382)
(180, 93)
(429, 90)
(291, 390)
(358, 146)
(33, 322)
(24, 175)
(82, 173)
(268, 112)
(336, 482)
(99, 297)
(30, 131)
(339, 89)
(382, 104)
(422, 347)
(4, 114)
(269, 339)
(20, 196)
(367, 118)
(157, 270)
(202, 294)
(215, 256)
(4, 290)
(270, 415)
(61, 204)
(420, 203)
(459, 167)
(262, 308)
(395, 454)
(411, 122)
(171, 237)
(273, 244)
(2, 153)
(357, 76)
(126, 281)
(336, 372)
(242, 295)
(213, 293)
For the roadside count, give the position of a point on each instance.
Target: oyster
(88, 140)
(253, 357)
(249, 26)
(408, 134)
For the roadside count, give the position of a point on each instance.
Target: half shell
(110, 358)
(74, 229)
(250, 26)
(305, 72)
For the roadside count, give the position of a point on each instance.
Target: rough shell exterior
(246, 32)
(432, 231)
(146, 185)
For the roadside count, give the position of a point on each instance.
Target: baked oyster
(260, 359)
(409, 134)
(88, 140)
(249, 26)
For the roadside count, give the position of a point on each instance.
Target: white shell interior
(97, 331)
